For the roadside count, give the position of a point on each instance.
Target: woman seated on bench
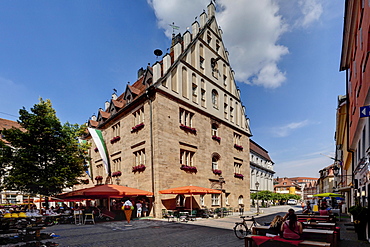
(292, 228)
(275, 225)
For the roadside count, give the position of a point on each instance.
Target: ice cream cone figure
(128, 213)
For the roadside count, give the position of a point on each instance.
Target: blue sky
(285, 55)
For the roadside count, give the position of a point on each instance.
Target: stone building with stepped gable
(181, 123)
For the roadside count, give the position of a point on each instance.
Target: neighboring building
(303, 182)
(325, 184)
(343, 181)
(353, 143)
(309, 190)
(181, 123)
(8, 196)
(287, 186)
(262, 168)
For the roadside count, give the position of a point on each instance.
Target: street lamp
(336, 170)
(257, 185)
(221, 180)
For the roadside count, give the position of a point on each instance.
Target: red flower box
(97, 178)
(238, 147)
(217, 172)
(187, 128)
(116, 174)
(139, 168)
(137, 127)
(216, 138)
(238, 175)
(188, 168)
(96, 149)
(115, 139)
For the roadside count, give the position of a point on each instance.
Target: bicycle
(241, 228)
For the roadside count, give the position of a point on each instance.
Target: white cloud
(311, 10)
(251, 32)
(287, 129)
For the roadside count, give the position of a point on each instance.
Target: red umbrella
(190, 190)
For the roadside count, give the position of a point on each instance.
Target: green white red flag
(97, 136)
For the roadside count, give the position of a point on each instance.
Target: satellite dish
(158, 52)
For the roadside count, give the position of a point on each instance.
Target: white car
(292, 202)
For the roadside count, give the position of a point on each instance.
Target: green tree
(46, 155)
(5, 154)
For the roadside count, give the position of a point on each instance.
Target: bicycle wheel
(240, 231)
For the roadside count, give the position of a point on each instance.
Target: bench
(305, 243)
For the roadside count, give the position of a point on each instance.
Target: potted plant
(359, 214)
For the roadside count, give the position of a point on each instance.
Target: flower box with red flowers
(97, 178)
(115, 139)
(238, 147)
(217, 172)
(85, 181)
(138, 168)
(238, 175)
(188, 168)
(187, 128)
(216, 138)
(116, 174)
(137, 127)
(96, 149)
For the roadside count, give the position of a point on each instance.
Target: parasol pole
(191, 204)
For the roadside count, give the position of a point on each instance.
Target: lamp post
(257, 185)
(221, 180)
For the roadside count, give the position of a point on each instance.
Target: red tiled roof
(117, 103)
(104, 114)
(93, 123)
(8, 124)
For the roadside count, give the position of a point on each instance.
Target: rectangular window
(237, 138)
(139, 116)
(139, 157)
(116, 130)
(237, 167)
(215, 200)
(116, 164)
(201, 200)
(186, 157)
(186, 118)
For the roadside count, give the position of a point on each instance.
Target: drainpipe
(151, 148)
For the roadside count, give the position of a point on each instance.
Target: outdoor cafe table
(328, 234)
(319, 225)
(316, 217)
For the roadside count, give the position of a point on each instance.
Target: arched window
(214, 130)
(184, 82)
(215, 159)
(215, 98)
(240, 200)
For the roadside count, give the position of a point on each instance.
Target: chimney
(114, 96)
(106, 105)
(93, 117)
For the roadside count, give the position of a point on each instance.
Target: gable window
(174, 81)
(215, 98)
(201, 56)
(194, 88)
(209, 37)
(203, 92)
(128, 99)
(184, 82)
(217, 45)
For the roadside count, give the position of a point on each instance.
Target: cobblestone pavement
(150, 232)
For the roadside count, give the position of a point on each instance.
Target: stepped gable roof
(93, 123)
(104, 114)
(259, 150)
(118, 103)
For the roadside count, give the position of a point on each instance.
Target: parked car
(292, 202)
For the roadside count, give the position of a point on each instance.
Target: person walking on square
(139, 208)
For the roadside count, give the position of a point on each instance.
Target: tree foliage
(266, 195)
(46, 155)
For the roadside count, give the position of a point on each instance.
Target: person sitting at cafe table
(324, 210)
(287, 215)
(275, 225)
(292, 228)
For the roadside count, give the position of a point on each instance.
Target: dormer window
(209, 37)
(129, 99)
